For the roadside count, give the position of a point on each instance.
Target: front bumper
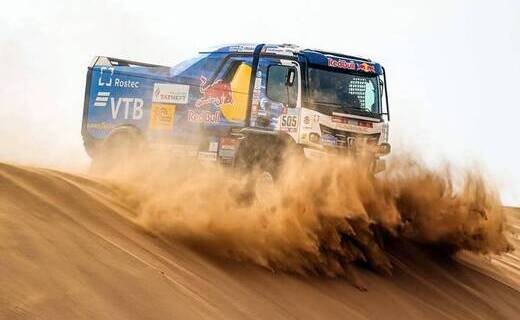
(377, 165)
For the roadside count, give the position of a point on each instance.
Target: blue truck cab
(234, 97)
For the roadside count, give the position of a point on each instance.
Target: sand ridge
(69, 250)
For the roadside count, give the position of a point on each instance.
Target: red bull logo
(204, 116)
(342, 64)
(350, 65)
(365, 67)
(216, 93)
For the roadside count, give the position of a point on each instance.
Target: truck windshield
(336, 91)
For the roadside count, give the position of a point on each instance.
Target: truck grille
(348, 140)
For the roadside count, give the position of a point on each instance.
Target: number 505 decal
(289, 121)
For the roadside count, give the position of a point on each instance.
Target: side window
(204, 65)
(277, 88)
(230, 67)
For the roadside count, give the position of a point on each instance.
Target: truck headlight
(314, 137)
(384, 148)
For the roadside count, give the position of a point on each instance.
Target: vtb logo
(109, 73)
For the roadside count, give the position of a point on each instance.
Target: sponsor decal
(134, 104)
(307, 122)
(216, 93)
(328, 140)
(366, 124)
(101, 99)
(162, 116)
(352, 124)
(228, 143)
(207, 156)
(226, 154)
(126, 83)
(170, 93)
(102, 82)
(348, 126)
(204, 116)
(288, 122)
(213, 144)
(350, 65)
(337, 119)
(255, 103)
(106, 79)
(365, 67)
(227, 148)
(101, 125)
(242, 48)
(341, 64)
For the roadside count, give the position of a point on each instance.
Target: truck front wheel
(260, 159)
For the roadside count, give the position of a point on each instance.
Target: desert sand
(70, 250)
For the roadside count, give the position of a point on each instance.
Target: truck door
(277, 96)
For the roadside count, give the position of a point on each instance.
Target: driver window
(277, 88)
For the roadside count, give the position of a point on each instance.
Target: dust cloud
(320, 217)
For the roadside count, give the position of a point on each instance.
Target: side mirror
(291, 75)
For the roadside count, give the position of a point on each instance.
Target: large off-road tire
(260, 154)
(121, 148)
(261, 159)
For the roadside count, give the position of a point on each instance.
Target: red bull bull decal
(366, 67)
(216, 93)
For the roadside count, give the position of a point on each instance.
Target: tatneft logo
(170, 93)
(106, 79)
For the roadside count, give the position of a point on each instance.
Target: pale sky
(453, 66)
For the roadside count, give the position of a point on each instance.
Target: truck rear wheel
(120, 149)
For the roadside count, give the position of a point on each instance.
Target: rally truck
(240, 104)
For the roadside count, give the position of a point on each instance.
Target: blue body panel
(122, 95)
(176, 104)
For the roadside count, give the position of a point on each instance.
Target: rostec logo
(102, 81)
(101, 99)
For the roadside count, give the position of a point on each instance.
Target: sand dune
(70, 250)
